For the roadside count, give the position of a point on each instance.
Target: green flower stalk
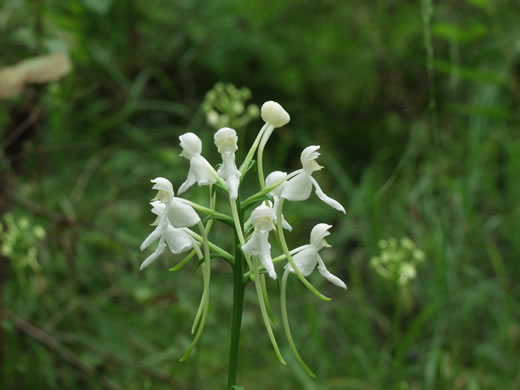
(251, 258)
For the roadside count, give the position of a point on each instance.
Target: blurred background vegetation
(415, 106)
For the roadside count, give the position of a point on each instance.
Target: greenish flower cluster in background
(397, 260)
(20, 239)
(225, 106)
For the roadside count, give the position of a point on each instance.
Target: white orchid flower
(178, 240)
(272, 178)
(178, 212)
(173, 217)
(258, 245)
(307, 257)
(226, 142)
(299, 187)
(200, 171)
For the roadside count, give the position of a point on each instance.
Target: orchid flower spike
(258, 245)
(226, 142)
(201, 172)
(299, 187)
(307, 257)
(271, 179)
(178, 240)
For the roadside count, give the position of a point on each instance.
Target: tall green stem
(236, 316)
(287, 329)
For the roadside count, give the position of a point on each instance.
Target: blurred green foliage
(415, 105)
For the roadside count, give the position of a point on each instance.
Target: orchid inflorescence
(176, 216)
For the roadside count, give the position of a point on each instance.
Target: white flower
(178, 212)
(226, 142)
(258, 245)
(306, 257)
(178, 240)
(274, 114)
(173, 217)
(200, 170)
(299, 187)
(271, 179)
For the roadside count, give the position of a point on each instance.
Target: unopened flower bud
(274, 114)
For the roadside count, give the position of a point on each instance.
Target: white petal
(298, 188)
(157, 207)
(305, 260)
(327, 275)
(181, 215)
(226, 140)
(318, 233)
(273, 178)
(286, 225)
(331, 202)
(154, 235)
(150, 259)
(309, 154)
(233, 182)
(265, 254)
(229, 172)
(253, 246)
(199, 168)
(298, 249)
(178, 240)
(267, 262)
(191, 145)
(274, 114)
(190, 180)
(262, 218)
(162, 184)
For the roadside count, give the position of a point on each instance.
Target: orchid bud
(274, 114)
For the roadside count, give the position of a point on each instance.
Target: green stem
(236, 316)
(263, 310)
(287, 329)
(285, 249)
(251, 153)
(237, 218)
(238, 228)
(206, 273)
(260, 162)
